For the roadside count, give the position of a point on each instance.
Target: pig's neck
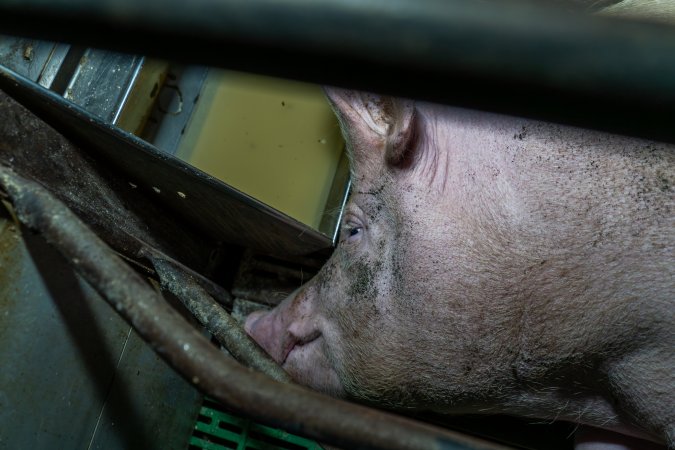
(601, 277)
(574, 260)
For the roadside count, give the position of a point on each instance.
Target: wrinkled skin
(493, 264)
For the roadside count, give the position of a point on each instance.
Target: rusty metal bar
(214, 318)
(253, 394)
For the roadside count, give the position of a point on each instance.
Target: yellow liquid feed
(276, 140)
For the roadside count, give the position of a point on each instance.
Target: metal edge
(39, 100)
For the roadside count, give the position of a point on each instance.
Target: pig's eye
(351, 231)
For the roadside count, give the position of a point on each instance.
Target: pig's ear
(378, 129)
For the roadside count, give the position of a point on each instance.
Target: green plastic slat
(205, 445)
(284, 436)
(226, 431)
(218, 432)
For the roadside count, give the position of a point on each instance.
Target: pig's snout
(265, 329)
(275, 336)
(297, 336)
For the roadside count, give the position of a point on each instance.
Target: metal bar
(60, 61)
(25, 56)
(295, 408)
(173, 109)
(545, 63)
(102, 81)
(213, 317)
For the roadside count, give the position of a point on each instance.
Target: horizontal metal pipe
(295, 408)
(591, 71)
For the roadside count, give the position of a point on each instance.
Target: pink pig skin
(493, 264)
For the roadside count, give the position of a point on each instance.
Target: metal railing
(508, 57)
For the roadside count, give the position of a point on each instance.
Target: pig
(492, 264)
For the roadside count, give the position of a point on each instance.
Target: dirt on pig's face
(399, 284)
(362, 295)
(371, 336)
(401, 312)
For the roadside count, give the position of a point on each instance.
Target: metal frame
(216, 209)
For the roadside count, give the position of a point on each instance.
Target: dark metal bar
(295, 408)
(213, 317)
(532, 61)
